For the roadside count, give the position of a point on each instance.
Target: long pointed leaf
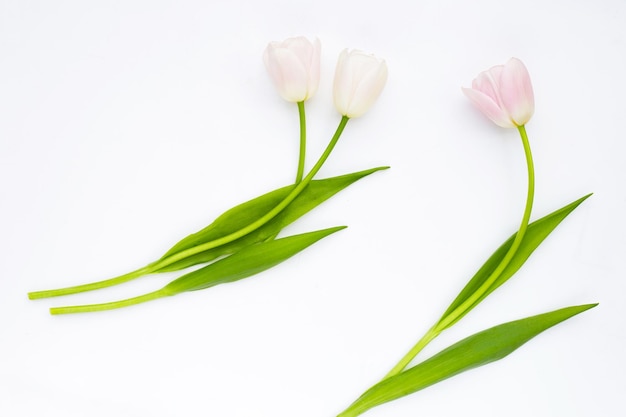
(236, 218)
(247, 262)
(477, 350)
(536, 233)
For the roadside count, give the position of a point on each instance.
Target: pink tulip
(294, 66)
(359, 80)
(504, 94)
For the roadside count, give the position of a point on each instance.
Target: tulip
(294, 66)
(359, 80)
(504, 94)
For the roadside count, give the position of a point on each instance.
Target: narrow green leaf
(236, 218)
(248, 261)
(477, 350)
(536, 233)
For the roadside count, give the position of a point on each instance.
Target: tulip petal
(516, 92)
(314, 68)
(359, 80)
(343, 78)
(288, 73)
(367, 91)
(294, 66)
(487, 83)
(504, 93)
(489, 107)
(309, 55)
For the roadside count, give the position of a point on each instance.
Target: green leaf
(248, 261)
(240, 216)
(234, 219)
(477, 350)
(536, 233)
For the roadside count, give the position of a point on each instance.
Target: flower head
(504, 94)
(294, 66)
(359, 80)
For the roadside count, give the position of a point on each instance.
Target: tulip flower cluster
(242, 242)
(294, 66)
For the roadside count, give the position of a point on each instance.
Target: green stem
(90, 287)
(456, 314)
(421, 344)
(109, 306)
(208, 245)
(268, 216)
(302, 155)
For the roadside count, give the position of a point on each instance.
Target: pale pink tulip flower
(294, 66)
(504, 94)
(359, 80)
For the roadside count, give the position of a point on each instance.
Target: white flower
(294, 66)
(359, 80)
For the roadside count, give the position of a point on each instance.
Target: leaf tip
(584, 307)
(578, 202)
(382, 168)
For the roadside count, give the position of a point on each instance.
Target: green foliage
(477, 350)
(232, 220)
(240, 216)
(247, 262)
(536, 233)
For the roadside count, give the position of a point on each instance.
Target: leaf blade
(536, 233)
(247, 262)
(241, 215)
(474, 351)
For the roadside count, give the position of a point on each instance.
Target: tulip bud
(504, 94)
(359, 80)
(294, 66)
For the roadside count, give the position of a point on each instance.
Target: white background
(126, 125)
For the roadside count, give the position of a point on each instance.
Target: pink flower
(294, 66)
(359, 80)
(504, 94)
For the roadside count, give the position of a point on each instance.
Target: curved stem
(109, 306)
(456, 314)
(90, 287)
(209, 245)
(451, 318)
(302, 155)
(268, 216)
